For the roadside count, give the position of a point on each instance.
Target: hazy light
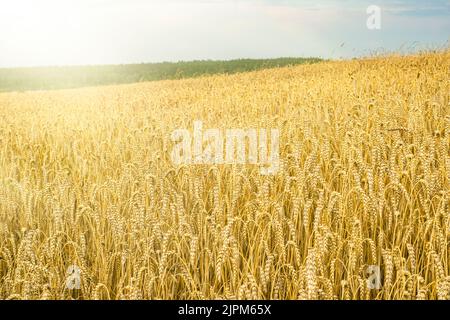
(67, 32)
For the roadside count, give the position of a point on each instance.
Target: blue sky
(73, 32)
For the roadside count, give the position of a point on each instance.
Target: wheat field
(86, 179)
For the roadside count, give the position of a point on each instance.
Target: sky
(86, 32)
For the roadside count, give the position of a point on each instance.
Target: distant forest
(46, 78)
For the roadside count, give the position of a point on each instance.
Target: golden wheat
(86, 179)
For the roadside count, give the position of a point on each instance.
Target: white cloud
(49, 32)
